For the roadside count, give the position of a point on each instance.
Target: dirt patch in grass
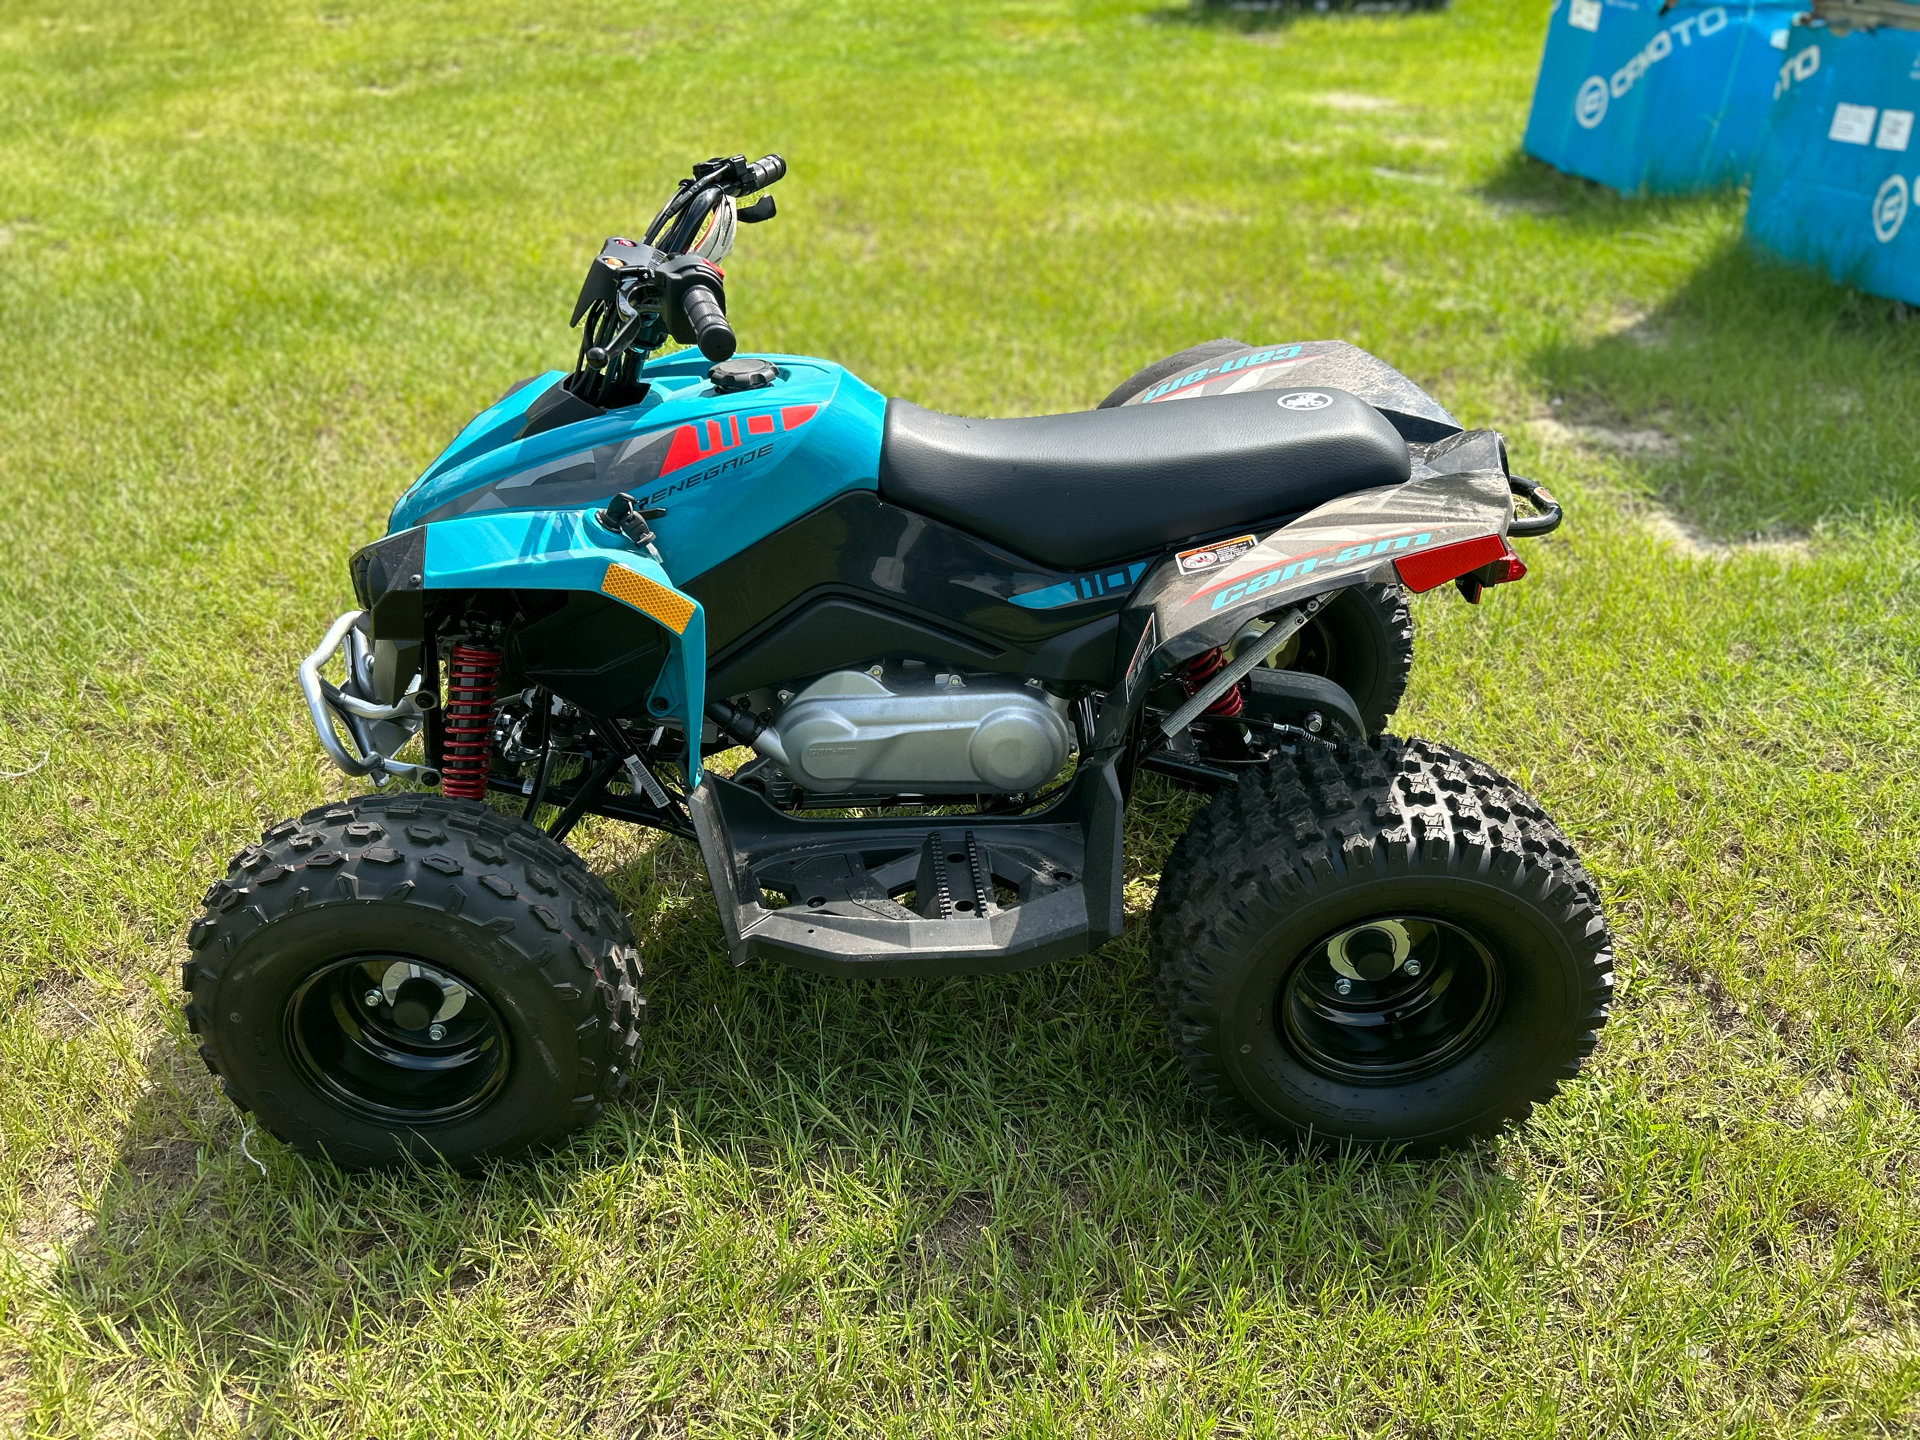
(1619, 441)
(51, 1220)
(1646, 444)
(958, 1232)
(1353, 103)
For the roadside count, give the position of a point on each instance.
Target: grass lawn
(259, 260)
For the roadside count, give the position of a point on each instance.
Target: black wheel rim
(367, 1034)
(1312, 650)
(1390, 999)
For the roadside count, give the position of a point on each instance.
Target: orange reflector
(1427, 569)
(631, 588)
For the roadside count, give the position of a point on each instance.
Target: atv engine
(882, 732)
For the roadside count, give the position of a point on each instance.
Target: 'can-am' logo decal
(1232, 592)
(1175, 388)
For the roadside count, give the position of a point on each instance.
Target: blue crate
(1840, 179)
(1649, 101)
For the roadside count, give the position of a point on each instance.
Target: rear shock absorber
(466, 752)
(1202, 668)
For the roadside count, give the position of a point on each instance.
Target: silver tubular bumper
(375, 732)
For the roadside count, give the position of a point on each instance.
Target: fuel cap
(743, 372)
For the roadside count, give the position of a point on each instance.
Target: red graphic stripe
(703, 439)
(687, 448)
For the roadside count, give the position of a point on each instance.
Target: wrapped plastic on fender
(1840, 179)
(1650, 99)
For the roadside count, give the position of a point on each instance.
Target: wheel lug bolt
(373, 998)
(436, 1032)
(1412, 967)
(1343, 986)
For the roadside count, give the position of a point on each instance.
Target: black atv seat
(1074, 491)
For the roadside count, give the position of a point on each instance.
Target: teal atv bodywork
(936, 651)
(732, 468)
(502, 511)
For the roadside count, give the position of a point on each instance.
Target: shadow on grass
(1007, 1147)
(196, 1262)
(1759, 400)
(1248, 16)
(1588, 207)
(1042, 1113)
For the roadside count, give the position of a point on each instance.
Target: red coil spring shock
(1202, 668)
(466, 749)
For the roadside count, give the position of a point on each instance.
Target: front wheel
(406, 975)
(1381, 947)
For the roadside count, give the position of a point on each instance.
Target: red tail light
(1504, 571)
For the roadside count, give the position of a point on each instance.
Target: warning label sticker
(1192, 562)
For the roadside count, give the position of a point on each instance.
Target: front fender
(568, 550)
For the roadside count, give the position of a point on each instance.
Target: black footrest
(914, 896)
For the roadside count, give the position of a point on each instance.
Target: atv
(946, 649)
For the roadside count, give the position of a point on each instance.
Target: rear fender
(1333, 364)
(568, 550)
(1420, 534)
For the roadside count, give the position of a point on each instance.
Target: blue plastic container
(1840, 179)
(1645, 101)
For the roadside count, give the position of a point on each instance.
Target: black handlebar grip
(710, 328)
(766, 171)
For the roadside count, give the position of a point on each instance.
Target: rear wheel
(408, 975)
(1382, 947)
(1362, 641)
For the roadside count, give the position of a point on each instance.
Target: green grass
(257, 262)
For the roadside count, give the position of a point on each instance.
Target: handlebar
(710, 328)
(636, 295)
(763, 172)
(698, 194)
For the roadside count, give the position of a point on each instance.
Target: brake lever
(599, 356)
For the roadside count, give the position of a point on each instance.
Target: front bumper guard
(375, 732)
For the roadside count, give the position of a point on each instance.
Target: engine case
(856, 733)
